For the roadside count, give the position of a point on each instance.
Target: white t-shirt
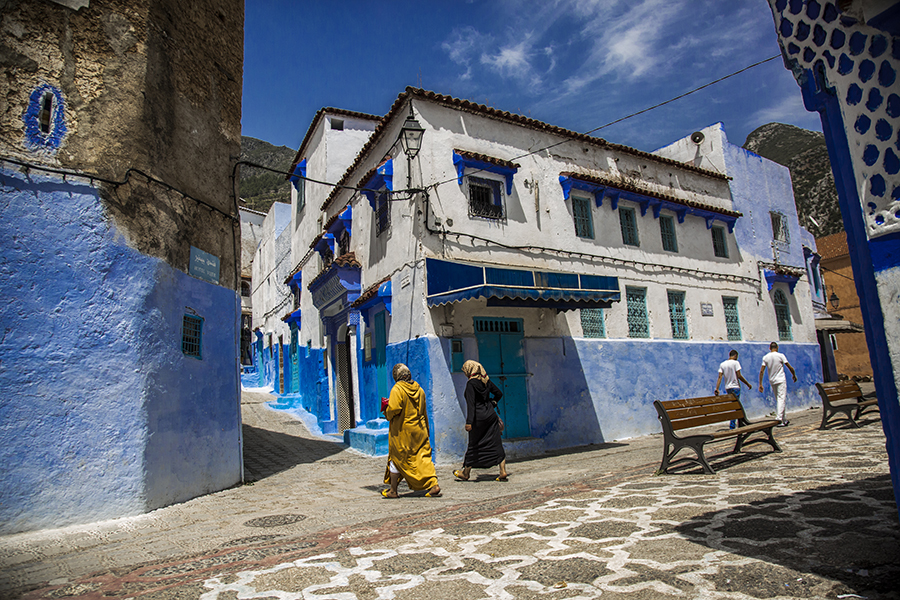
(774, 362)
(729, 370)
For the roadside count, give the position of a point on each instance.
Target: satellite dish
(697, 137)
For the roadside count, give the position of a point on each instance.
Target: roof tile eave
(631, 188)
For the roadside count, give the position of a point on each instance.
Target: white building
(588, 277)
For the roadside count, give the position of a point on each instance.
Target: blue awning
(453, 282)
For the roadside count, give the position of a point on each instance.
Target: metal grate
(584, 224)
(629, 227)
(638, 323)
(191, 330)
(485, 198)
(667, 231)
(677, 316)
(719, 246)
(782, 316)
(483, 325)
(382, 213)
(732, 322)
(344, 395)
(592, 323)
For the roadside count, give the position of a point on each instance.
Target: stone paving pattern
(816, 521)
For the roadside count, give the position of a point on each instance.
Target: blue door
(381, 371)
(502, 354)
(295, 361)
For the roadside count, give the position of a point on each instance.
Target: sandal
(459, 475)
(387, 494)
(502, 478)
(436, 494)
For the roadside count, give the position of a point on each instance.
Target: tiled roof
(487, 159)
(344, 260)
(369, 293)
(832, 246)
(499, 115)
(629, 187)
(320, 114)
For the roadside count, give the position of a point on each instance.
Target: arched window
(782, 316)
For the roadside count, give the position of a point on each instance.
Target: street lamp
(834, 300)
(411, 135)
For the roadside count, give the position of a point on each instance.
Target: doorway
(346, 418)
(501, 353)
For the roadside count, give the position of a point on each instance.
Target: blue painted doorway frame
(381, 371)
(501, 353)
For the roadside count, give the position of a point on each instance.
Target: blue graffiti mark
(35, 138)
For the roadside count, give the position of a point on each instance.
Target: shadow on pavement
(269, 452)
(846, 533)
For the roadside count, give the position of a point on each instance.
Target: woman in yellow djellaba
(409, 451)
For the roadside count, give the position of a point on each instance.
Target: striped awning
(449, 282)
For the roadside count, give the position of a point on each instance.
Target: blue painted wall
(102, 415)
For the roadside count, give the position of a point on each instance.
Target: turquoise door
(381, 370)
(502, 354)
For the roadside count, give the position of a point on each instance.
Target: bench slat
(710, 409)
(707, 419)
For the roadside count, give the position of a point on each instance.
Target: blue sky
(578, 64)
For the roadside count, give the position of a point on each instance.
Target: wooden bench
(678, 415)
(843, 397)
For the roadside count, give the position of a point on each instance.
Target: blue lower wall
(101, 414)
(584, 391)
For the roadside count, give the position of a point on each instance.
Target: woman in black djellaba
(483, 424)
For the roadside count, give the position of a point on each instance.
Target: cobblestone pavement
(816, 521)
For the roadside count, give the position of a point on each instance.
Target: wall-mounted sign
(706, 309)
(204, 265)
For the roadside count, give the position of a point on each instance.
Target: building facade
(589, 278)
(121, 257)
(845, 57)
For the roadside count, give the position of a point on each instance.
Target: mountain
(259, 187)
(804, 153)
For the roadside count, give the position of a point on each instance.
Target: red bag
(384, 403)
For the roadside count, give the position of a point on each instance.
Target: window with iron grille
(382, 213)
(779, 227)
(296, 295)
(629, 227)
(485, 198)
(191, 330)
(667, 231)
(720, 245)
(584, 223)
(592, 323)
(732, 322)
(782, 316)
(677, 316)
(638, 322)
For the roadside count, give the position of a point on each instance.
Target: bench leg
(771, 441)
(695, 446)
(825, 415)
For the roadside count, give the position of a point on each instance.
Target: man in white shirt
(730, 371)
(775, 361)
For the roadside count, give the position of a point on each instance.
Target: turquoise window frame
(720, 242)
(593, 322)
(782, 316)
(638, 320)
(732, 318)
(667, 233)
(628, 223)
(677, 315)
(583, 217)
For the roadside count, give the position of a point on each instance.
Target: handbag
(384, 403)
